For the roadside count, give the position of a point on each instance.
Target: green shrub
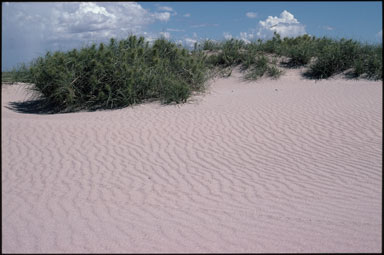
(176, 92)
(334, 57)
(261, 66)
(274, 72)
(272, 46)
(230, 54)
(118, 74)
(125, 72)
(299, 55)
(369, 62)
(210, 45)
(7, 77)
(19, 74)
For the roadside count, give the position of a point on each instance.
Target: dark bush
(118, 74)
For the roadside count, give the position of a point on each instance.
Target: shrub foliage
(118, 74)
(129, 71)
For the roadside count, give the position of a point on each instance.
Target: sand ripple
(244, 168)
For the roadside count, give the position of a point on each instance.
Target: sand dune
(287, 165)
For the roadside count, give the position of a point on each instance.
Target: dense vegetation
(231, 53)
(116, 75)
(130, 71)
(323, 56)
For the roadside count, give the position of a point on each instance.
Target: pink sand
(287, 165)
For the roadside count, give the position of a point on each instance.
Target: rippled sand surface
(286, 165)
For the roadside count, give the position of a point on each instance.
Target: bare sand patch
(287, 165)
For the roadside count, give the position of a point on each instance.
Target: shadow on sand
(31, 107)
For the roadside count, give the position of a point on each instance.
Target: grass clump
(118, 74)
(273, 46)
(125, 72)
(229, 54)
(259, 67)
(6, 77)
(334, 58)
(18, 74)
(324, 57)
(209, 45)
(369, 62)
(251, 59)
(299, 50)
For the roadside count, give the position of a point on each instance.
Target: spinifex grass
(369, 62)
(130, 71)
(6, 77)
(324, 57)
(299, 50)
(334, 57)
(260, 66)
(209, 45)
(19, 74)
(118, 74)
(251, 59)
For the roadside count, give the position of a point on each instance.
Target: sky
(30, 29)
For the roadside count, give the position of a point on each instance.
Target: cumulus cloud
(165, 8)
(251, 15)
(190, 42)
(380, 34)
(64, 25)
(227, 36)
(187, 15)
(163, 16)
(286, 25)
(89, 17)
(85, 19)
(246, 37)
(166, 35)
(329, 28)
(88, 21)
(150, 37)
(175, 30)
(204, 25)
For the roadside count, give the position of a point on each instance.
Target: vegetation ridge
(131, 71)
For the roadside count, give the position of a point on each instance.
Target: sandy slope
(271, 166)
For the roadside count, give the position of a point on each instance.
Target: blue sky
(30, 29)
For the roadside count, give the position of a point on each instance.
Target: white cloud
(92, 21)
(198, 25)
(163, 16)
(251, 15)
(88, 21)
(151, 37)
(165, 8)
(286, 25)
(166, 35)
(190, 42)
(194, 34)
(246, 37)
(88, 17)
(187, 15)
(204, 25)
(33, 28)
(227, 36)
(175, 30)
(329, 28)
